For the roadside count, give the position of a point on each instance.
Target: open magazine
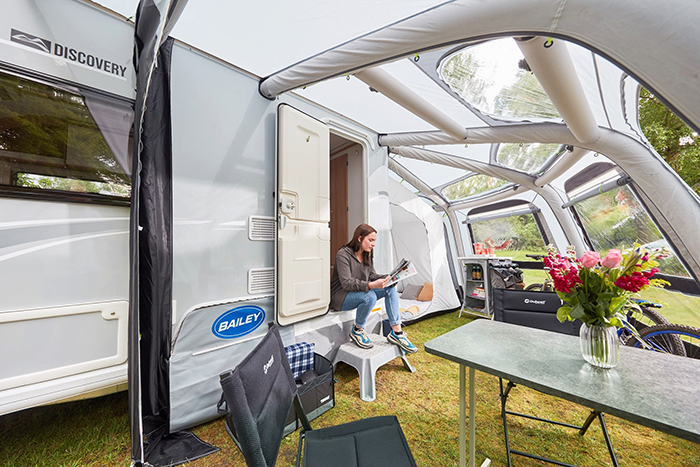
(402, 270)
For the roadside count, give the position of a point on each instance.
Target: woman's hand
(379, 283)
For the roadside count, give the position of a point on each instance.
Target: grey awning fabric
(666, 68)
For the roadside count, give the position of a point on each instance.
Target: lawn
(96, 432)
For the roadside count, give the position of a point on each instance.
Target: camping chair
(258, 395)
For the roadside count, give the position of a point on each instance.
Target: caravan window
(58, 139)
(616, 219)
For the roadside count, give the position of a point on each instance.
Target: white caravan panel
(51, 343)
(303, 243)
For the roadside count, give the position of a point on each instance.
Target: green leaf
(616, 303)
(577, 311)
(563, 313)
(615, 321)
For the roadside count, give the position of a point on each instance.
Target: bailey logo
(269, 363)
(238, 321)
(30, 40)
(535, 302)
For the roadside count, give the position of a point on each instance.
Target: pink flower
(612, 259)
(590, 259)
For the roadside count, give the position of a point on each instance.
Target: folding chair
(258, 394)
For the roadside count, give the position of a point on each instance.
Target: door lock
(287, 206)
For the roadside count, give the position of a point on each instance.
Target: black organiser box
(531, 309)
(316, 391)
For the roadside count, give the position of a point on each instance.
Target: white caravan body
(64, 268)
(64, 264)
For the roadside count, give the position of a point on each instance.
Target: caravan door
(303, 203)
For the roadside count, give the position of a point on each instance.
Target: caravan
(161, 206)
(67, 138)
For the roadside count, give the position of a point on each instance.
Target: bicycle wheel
(534, 287)
(660, 337)
(647, 317)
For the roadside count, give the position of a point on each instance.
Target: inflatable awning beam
(501, 215)
(550, 196)
(383, 82)
(488, 199)
(531, 133)
(602, 188)
(465, 164)
(551, 63)
(407, 175)
(562, 165)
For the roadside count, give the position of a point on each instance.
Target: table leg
(462, 413)
(472, 416)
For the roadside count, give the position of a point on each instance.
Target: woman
(355, 284)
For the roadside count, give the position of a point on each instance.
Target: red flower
(564, 273)
(650, 273)
(633, 283)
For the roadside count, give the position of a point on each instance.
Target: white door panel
(303, 243)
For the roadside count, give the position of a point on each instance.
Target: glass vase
(600, 345)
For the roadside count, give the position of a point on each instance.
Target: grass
(96, 432)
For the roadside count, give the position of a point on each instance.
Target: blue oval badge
(238, 321)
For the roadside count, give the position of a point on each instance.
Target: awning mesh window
(489, 78)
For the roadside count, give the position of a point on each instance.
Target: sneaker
(402, 341)
(360, 337)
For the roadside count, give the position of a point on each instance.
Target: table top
(650, 388)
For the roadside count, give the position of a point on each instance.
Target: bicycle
(548, 285)
(675, 339)
(648, 329)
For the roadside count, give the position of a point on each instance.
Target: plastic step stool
(367, 361)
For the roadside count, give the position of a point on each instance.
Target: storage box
(316, 390)
(531, 309)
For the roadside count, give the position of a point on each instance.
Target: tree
(674, 141)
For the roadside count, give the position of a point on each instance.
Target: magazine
(403, 270)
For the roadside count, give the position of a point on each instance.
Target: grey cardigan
(349, 275)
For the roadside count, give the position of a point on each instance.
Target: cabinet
(476, 271)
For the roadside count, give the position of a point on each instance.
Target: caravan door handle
(287, 205)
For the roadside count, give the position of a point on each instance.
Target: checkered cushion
(301, 357)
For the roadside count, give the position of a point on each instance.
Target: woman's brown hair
(361, 232)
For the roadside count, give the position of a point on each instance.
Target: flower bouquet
(597, 291)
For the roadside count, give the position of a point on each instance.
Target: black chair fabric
(377, 442)
(531, 309)
(258, 394)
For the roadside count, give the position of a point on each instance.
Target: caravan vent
(262, 228)
(261, 280)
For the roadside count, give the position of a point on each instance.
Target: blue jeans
(364, 302)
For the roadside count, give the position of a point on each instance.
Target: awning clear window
(488, 76)
(526, 157)
(473, 185)
(616, 219)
